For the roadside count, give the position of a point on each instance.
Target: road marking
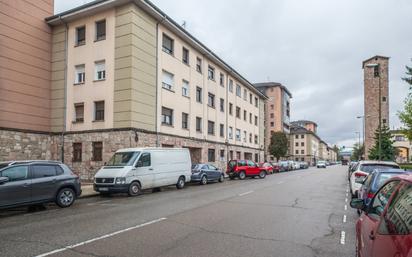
(344, 218)
(342, 237)
(99, 202)
(346, 200)
(280, 182)
(347, 194)
(346, 207)
(99, 238)
(246, 193)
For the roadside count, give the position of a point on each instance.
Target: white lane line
(347, 194)
(342, 237)
(346, 207)
(246, 193)
(344, 219)
(99, 238)
(346, 200)
(99, 202)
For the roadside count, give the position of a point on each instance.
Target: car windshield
(123, 159)
(368, 168)
(381, 179)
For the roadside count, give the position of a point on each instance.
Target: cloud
(314, 47)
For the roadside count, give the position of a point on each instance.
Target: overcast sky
(313, 47)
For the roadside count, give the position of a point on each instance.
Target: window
(272, 124)
(43, 171)
(256, 102)
(302, 144)
(222, 79)
(296, 136)
(302, 151)
(241, 163)
(250, 137)
(80, 75)
(302, 136)
(230, 85)
(167, 44)
(198, 94)
(99, 111)
(222, 104)
(297, 151)
(167, 116)
(384, 121)
(250, 118)
(185, 120)
(272, 115)
(399, 138)
(185, 56)
(231, 155)
(256, 139)
(198, 124)
(185, 88)
(256, 157)
(222, 130)
(297, 144)
(256, 120)
(384, 99)
(244, 136)
(77, 152)
(244, 115)
(145, 160)
(100, 30)
(210, 127)
(79, 112)
(382, 198)
(100, 70)
(199, 64)
(211, 100)
(376, 71)
(80, 36)
(238, 134)
(237, 112)
(222, 155)
(211, 73)
(230, 108)
(16, 173)
(230, 133)
(245, 94)
(211, 155)
(97, 151)
(168, 80)
(238, 91)
(272, 107)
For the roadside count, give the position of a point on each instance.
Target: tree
(278, 145)
(405, 116)
(357, 152)
(387, 149)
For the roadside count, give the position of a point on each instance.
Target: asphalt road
(296, 214)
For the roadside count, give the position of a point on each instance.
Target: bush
(407, 166)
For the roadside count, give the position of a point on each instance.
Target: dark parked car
(243, 169)
(384, 228)
(36, 182)
(374, 181)
(204, 173)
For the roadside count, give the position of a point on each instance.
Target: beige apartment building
(277, 110)
(402, 145)
(123, 74)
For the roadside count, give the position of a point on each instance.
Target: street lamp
(359, 145)
(376, 67)
(363, 133)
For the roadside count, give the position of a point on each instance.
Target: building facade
(376, 97)
(277, 110)
(123, 74)
(402, 145)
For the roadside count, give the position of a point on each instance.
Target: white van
(134, 169)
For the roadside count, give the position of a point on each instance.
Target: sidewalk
(87, 191)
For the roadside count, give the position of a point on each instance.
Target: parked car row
(383, 198)
(288, 165)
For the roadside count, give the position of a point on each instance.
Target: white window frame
(100, 70)
(80, 74)
(167, 82)
(185, 88)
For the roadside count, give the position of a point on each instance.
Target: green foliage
(408, 79)
(387, 150)
(407, 166)
(405, 116)
(278, 145)
(357, 152)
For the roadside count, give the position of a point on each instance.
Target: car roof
(405, 177)
(378, 162)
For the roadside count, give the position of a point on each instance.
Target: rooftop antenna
(184, 24)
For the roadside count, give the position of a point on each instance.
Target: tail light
(370, 195)
(359, 174)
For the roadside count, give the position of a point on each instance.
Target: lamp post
(363, 134)
(359, 145)
(377, 73)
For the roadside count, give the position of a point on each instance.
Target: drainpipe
(65, 87)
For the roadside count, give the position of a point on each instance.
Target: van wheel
(134, 189)
(180, 183)
(65, 197)
(203, 180)
(242, 175)
(222, 178)
(262, 174)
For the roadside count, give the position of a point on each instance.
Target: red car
(243, 169)
(384, 228)
(266, 167)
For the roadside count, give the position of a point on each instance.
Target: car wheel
(65, 197)
(242, 175)
(222, 178)
(231, 177)
(180, 183)
(262, 174)
(134, 189)
(203, 180)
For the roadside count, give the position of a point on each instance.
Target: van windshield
(123, 159)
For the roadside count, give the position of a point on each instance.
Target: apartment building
(277, 110)
(402, 145)
(124, 74)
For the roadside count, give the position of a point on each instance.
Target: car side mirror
(3, 180)
(357, 203)
(359, 180)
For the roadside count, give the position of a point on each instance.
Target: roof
(272, 84)
(376, 56)
(303, 121)
(101, 5)
(294, 129)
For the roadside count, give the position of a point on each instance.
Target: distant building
(277, 109)
(307, 124)
(402, 145)
(375, 72)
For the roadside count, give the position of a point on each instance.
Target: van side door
(144, 171)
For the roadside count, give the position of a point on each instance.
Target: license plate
(104, 189)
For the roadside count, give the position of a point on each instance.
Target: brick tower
(375, 79)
